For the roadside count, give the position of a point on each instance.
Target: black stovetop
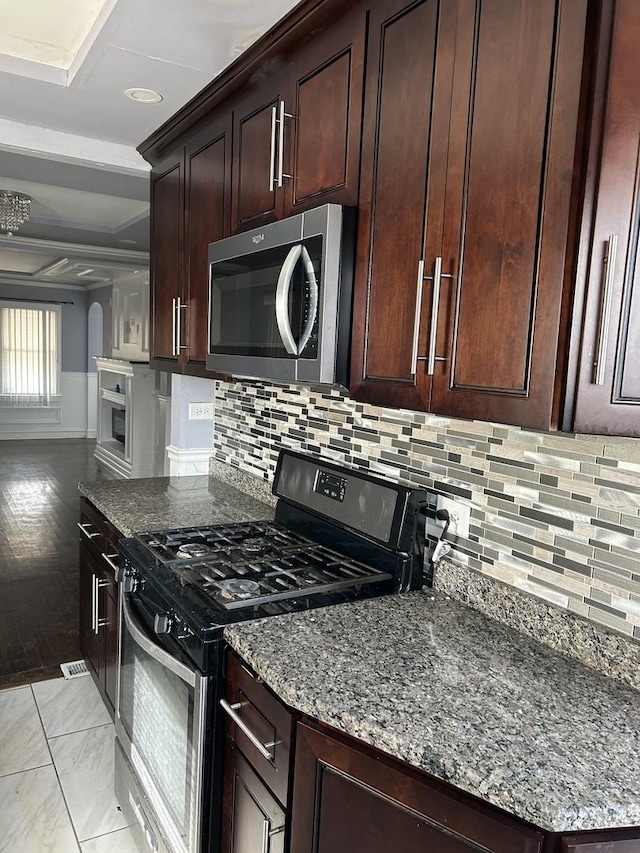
(338, 535)
(246, 565)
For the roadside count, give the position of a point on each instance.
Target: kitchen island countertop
(156, 503)
(470, 701)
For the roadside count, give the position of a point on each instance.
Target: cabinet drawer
(98, 534)
(265, 717)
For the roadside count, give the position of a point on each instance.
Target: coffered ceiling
(68, 132)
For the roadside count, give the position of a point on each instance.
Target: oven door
(160, 726)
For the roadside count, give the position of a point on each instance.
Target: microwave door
(296, 254)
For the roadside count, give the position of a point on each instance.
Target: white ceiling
(68, 133)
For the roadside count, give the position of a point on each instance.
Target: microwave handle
(282, 299)
(312, 281)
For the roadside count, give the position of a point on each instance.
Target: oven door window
(158, 711)
(243, 296)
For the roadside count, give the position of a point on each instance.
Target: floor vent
(74, 669)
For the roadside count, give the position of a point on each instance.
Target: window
(29, 354)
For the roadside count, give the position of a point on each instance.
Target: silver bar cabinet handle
(265, 835)
(94, 604)
(96, 622)
(431, 355)
(416, 319)
(231, 711)
(108, 558)
(272, 155)
(174, 347)
(609, 264)
(83, 527)
(180, 306)
(283, 115)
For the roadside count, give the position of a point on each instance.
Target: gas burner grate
(193, 543)
(307, 570)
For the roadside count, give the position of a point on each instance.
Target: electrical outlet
(200, 411)
(460, 514)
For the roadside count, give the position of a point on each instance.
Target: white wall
(68, 420)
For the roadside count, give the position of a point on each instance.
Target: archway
(95, 343)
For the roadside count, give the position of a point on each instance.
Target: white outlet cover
(200, 411)
(460, 516)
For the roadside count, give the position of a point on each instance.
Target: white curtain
(29, 354)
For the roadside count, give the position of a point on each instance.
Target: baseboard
(44, 434)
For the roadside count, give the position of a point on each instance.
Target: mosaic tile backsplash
(554, 515)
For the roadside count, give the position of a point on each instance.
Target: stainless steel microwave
(280, 299)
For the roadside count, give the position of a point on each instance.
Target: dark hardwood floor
(39, 554)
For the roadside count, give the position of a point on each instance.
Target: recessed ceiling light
(144, 96)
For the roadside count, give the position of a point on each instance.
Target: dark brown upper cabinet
(403, 162)
(608, 387)
(297, 133)
(167, 237)
(255, 133)
(467, 178)
(190, 205)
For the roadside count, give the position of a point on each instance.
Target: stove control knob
(162, 623)
(129, 583)
(127, 578)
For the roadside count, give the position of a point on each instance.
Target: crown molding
(113, 256)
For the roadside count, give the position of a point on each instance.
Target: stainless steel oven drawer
(136, 808)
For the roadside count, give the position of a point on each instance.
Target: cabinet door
(403, 165)
(89, 640)
(252, 818)
(167, 233)
(347, 801)
(208, 180)
(326, 104)
(608, 394)
(512, 140)
(255, 136)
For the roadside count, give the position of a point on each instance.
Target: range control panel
(330, 485)
(348, 497)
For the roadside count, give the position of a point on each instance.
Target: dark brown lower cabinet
(340, 795)
(256, 789)
(253, 819)
(98, 596)
(350, 800)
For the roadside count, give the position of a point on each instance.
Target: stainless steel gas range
(338, 535)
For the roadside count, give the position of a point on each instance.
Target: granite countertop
(469, 700)
(165, 502)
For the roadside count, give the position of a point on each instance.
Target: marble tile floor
(56, 771)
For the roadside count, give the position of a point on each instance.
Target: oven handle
(154, 649)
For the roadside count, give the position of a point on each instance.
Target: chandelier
(14, 210)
